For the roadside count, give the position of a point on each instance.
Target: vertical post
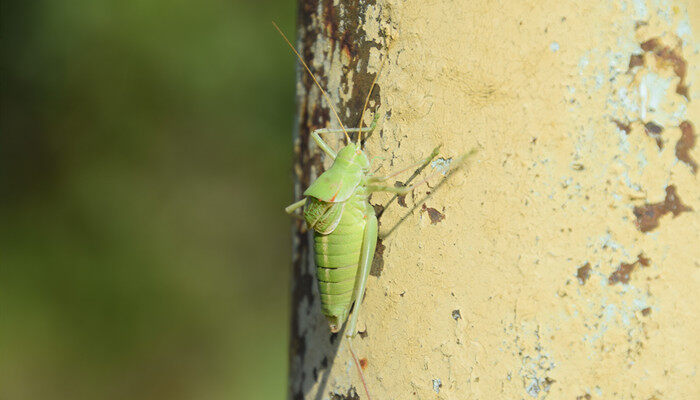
(566, 252)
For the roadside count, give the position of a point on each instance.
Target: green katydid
(344, 223)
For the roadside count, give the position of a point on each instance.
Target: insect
(344, 223)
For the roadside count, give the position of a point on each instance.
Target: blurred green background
(145, 158)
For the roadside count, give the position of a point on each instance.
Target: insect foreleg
(323, 145)
(401, 190)
(316, 135)
(422, 163)
(350, 130)
(369, 242)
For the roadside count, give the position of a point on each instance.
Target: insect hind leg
(369, 243)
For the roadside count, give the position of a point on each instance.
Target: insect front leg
(323, 145)
(369, 242)
(420, 163)
(368, 129)
(316, 135)
(374, 186)
(401, 190)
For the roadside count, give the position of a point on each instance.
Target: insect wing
(321, 216)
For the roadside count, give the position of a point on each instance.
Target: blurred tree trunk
(566, 251)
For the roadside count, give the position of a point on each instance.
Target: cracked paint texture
(583, 114)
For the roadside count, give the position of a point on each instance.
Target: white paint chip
(437, 384)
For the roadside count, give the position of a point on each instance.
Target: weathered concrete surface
(564, 262)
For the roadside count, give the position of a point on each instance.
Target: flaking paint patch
(583, 273)
(648, 215)
(624, 271)
(434, 215)
(686, 144)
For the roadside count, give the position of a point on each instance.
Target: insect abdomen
(337, 257)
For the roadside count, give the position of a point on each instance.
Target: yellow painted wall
(567, 265)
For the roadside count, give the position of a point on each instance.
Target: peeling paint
(624, 270)
(437, 384)
(649, 214)
(583, 273)
(686, 144)
(435, 215)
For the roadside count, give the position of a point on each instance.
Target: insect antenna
(328, 99)
(374, 82)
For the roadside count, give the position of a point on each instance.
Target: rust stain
(646, 311)
(685, 144)
(583, 273)
(648, 215)
(624, 271)
(435, 215)
(667, 56)
(363, 363)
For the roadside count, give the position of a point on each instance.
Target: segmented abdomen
(337, 257)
